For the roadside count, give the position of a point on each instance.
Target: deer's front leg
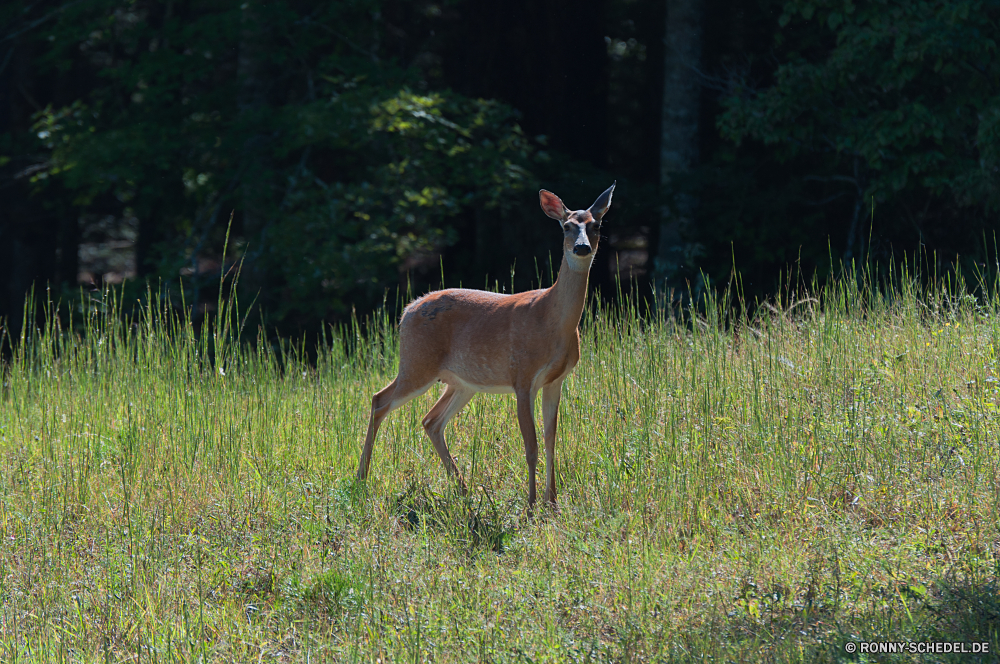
(525, 418)
(550, 417)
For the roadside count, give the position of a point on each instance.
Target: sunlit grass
(770, 488)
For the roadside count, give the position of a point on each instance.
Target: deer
(480, 341)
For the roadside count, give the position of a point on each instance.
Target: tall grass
(770, 485)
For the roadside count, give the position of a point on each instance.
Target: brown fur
(476, 341)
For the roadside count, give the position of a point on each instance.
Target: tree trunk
(852, 231)
(679, 127)
(252, 100)
(68, 249)
(150, 226)
(29, 233)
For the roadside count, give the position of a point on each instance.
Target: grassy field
(822, 473)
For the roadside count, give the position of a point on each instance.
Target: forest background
(368, 145)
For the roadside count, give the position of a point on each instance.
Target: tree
(681, 112)
(341, 170)
(889, 101)
(37, 237)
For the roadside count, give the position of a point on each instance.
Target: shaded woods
(364, 146)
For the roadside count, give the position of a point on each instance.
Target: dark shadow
(475, 524)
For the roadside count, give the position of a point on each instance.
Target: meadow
(820, 471)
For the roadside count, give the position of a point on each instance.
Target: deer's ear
(552, 205)
(603, 202)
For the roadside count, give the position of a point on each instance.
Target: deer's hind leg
(453, 400)
(389, 398)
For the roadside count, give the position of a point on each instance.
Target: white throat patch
(579, 263)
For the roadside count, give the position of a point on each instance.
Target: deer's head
(581, 228)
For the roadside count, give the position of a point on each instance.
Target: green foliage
(907, 88)
(431, 157)
(338, 168)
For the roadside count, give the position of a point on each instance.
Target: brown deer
(477, 341)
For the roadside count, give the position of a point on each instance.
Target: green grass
(767, 489)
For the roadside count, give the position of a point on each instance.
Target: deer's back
(484, 339)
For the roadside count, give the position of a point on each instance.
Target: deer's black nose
(581, 249)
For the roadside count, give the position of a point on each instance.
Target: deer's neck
(569, 294)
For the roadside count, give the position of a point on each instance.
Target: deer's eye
(568, 227)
